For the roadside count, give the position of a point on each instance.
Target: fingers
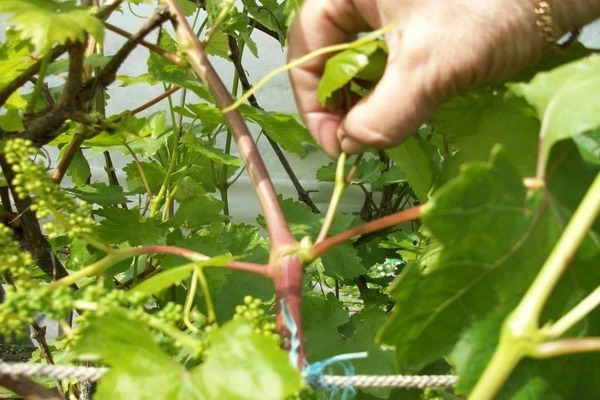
(319, 24)
(393, 111)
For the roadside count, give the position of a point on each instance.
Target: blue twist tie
(313, 374)
(293, 328)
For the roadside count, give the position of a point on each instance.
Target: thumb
(392, 112)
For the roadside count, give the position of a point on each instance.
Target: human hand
(436, 49)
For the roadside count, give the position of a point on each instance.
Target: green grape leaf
(420, 161)
(365, 325)
(369, 171)
(127, 226)
(284, 128)
(218, 45)
(202, 175)
(301, 219)
(146, 373)
(249, 42)
(373, 251)
(81, 254)
(343, 263)
(588, 145)
(144, 135)
(394, 175)
(326, 173)
(256, 363)
(15, 57)
(341, 68)
(194, 212)
(162, 281)
(259, 368)
(79, 169)
(11, 121)
(207, 113)
(567, 90)
(189, 187)
(188, 7)
(241, 238)
(148, 138)
(210, 152)
(322, 317)
(100, 193)
(404, 243)
(271, 14)
(153, 172)
(46, 23)
(473, 123)
(174, 276)
(304, 222)
(330, 332)
(493, 237)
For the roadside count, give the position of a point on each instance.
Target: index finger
(322, 23)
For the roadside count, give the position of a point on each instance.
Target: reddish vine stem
(114, 256)
(61, 169)
(259, 269)
(191, 255)
(382, 223)
(170, 57)
(286, 269)
(279, 232)
(287, 277)
(155, 100)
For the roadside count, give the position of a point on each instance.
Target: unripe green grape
(253, 311)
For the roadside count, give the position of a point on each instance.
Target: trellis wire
(83, 373)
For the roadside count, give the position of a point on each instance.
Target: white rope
(388, 381)
(52, 371)
(82, 373)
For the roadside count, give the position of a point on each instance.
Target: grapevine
(424, 273)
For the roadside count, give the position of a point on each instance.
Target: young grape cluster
(32, 180)
(12, 259)
(97, 301)
(171, 313)
(20, 307)
(253, 310)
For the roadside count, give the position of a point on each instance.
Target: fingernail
(351, 146)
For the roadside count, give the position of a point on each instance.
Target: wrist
(555, 18)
